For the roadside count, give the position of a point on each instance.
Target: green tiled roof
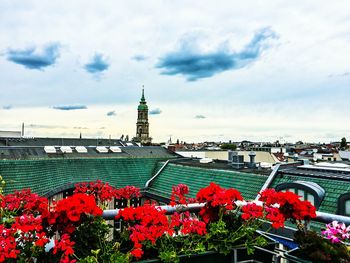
(248, 184)
(333, 189)
(46, 174)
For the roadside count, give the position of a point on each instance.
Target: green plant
(316, 248)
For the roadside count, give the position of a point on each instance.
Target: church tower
(142, 125)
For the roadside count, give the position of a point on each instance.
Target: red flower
(128, 192)
(178, 195)
(275, 216)
(64, 245)
(7, 244)
(216, 198)
(281, 206)
(25, 202)
(145, 223)
(137, 253)
(101, 191)
(252, 210)
(68, 212)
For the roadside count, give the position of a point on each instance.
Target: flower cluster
(25, 202)
(104, 192)
(281, 206)
(128, 192)
(146, 223)
(252, 211)
(21, 216)
(65, 246)
(70, 212)
(75, 225)
(178, 195)
(217, 201)
(8, 245)
(337, 232)
(186, 224)
(27, 224)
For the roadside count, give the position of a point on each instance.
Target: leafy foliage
(318, 249)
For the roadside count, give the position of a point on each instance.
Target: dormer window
(344, 205)
(309, 191)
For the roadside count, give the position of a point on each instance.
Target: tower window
(308, 191)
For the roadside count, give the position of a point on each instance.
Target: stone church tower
(142, 125)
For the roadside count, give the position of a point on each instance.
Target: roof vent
(81, 149)
(115, 149)
(66, 149)
(206, 160)
(102, 149)
(50, 149)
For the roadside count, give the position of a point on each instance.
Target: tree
(228, 146)
(343, 143)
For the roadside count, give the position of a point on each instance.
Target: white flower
(240, 203)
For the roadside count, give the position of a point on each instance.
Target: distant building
(14, 134)
(142, 125)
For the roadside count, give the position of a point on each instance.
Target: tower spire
(143, 94)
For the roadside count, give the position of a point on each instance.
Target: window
(310, 198)
(302, 194)
(344, 204)
(309, 191)
(347, 207)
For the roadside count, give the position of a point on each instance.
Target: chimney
(22, 134)
(252, 159)
(295, 157)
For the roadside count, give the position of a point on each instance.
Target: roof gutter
(269, 180)
(155, 176)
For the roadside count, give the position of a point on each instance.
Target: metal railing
(194, 207)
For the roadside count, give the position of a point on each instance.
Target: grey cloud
(345, 74)
(139, 57)
(199, 117)
(155, 111)
(190, 62)
(111, 113)
(34, 58)
(7, 107)
(70, 107)
(44, 126)
(97, 64)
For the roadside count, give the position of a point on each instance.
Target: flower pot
(238, 254)
(205, 257)
(293, 258)
(264, 254)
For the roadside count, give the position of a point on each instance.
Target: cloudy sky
(212, 70)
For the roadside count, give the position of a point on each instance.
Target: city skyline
(259, 71)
